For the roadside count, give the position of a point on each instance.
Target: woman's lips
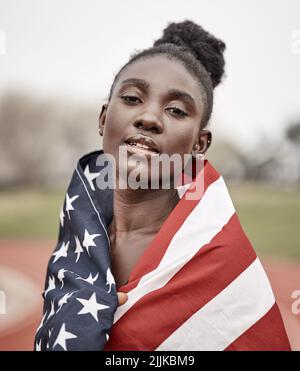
(137, 149)
(143, 142)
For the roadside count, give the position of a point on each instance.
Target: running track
(23, 264)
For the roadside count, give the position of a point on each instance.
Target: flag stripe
(198, 282)
(266, 334)
(149, 261)
(227, 315)
(197, 230)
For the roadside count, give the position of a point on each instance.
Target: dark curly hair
(200, 52)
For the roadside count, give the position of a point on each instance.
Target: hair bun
(203, 45)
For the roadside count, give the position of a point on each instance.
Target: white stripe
(227, 316)
(210, 215)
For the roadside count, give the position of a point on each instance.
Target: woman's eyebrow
(137, 82)
(180, 94)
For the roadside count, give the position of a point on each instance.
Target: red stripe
(156, 250)
(158, 314)
(266, 334)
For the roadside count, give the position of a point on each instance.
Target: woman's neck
(141, 211)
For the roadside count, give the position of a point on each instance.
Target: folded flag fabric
(199, 285)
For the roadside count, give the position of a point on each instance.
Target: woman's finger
(122, 297)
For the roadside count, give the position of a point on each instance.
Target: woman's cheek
(182, 143)
(110, 139)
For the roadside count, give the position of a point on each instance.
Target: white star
(61, 276)
(69, 205)
(62, 252)
(64, 300)
(61, 216)
(91, 306)
(90, 278)
(51, 285)
(107, 337)
(109, 279)
(90, 176)
(89, 240)
(38, 347)
(63, 336)
(78, 249)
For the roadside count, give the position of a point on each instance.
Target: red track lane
(31, 259)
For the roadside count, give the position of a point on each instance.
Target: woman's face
(158, 98)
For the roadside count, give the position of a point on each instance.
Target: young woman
(192, 279)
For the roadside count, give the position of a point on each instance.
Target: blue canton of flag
(80, 296)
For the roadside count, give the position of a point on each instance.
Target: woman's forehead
(160, 71)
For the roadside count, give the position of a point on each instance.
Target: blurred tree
(293, 133)
(41, 139)
(278, 161)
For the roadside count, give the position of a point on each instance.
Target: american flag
(199, 285)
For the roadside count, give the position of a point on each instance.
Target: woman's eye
(131, 99)
(177, 111)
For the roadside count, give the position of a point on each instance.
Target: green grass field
(30, 214)
(270, 216)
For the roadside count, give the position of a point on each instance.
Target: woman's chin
(140, 177)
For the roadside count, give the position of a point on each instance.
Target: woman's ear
(204, 140)
(102, 118)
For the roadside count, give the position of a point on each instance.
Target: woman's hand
(123, 297)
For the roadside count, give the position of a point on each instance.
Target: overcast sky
(73, 48)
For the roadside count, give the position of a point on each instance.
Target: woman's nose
(149, 121)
